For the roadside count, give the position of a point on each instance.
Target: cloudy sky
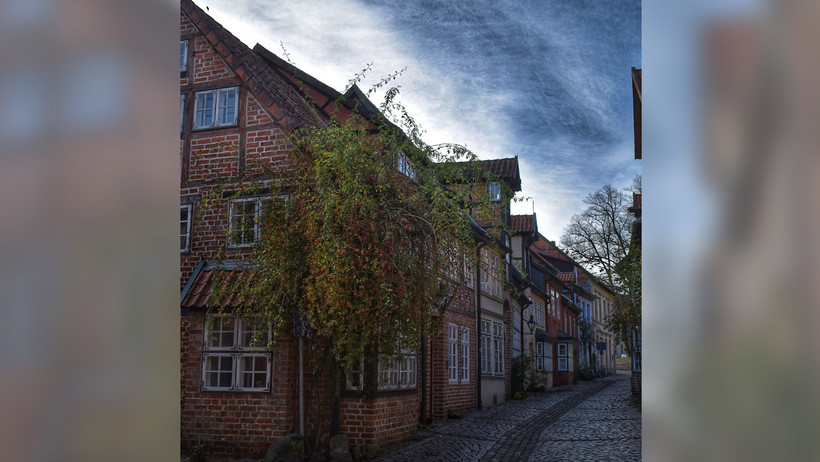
(547, 80)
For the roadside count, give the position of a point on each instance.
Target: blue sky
(545, 80)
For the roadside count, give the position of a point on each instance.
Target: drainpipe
(477, 293)
(423, 410)
(301, 388)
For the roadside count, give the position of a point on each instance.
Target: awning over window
(197, 292)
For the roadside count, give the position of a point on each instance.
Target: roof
(197, 292)
(506, 169)
(566, 276)
(521, 224)
(353, 99)
(287, 106)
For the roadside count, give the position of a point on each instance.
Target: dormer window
(494, 190)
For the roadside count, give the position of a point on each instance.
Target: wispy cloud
(545, 80)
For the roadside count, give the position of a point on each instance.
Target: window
(234, 355)
(494, 189)
(562, 357)
(404, 166)
(465, 355)
(355, 380)
(452, 356)
(490, 283)
(246, 216)
(468, 272)
(181, 112)
(539, 312)
(486, 336)
(539, 356)
(216, 108)
(399, 373)
(185, 212)
(183, 55)
(498, 349)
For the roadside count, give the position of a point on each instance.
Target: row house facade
(238, 107)
(552, 335)
(601, 304)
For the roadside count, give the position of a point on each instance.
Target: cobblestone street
(593, 421)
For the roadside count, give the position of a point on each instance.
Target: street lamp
(443, 298)
(531, 324)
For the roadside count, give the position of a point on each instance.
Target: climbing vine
(359, 233)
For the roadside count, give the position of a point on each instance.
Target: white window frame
(486, 341)
(230, 346)
(563, 360)
(498, 349)
(468, 272)
(399, 373)
(218, 106)
(539, 312)
(187, 234)
(465, 355)
(257, 219)
(452, 353)
(494, 191)
(183, 55)
(490, 276)
(404, 166)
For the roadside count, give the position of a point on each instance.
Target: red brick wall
(449, 396)
(382, 421)
(234, 424)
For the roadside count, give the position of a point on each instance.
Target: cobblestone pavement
(588, 421)
(605, 427)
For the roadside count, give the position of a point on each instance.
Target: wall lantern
(443, 298)
(531, 324)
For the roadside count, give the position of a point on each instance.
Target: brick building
(237, 108)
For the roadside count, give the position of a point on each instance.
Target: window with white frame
(494, 190)
(397, 373)
(404, 166)
(468, 271)
(490, 283)
(452, 353)
(498, 349)
(562, 357)
(185, 218)
(216, 108)
(183, 55)
(246, 217)
(235, 356)
(465, 355)
(539, 312)
(486, 339)
(540, 356)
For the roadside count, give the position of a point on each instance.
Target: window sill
(220, 127)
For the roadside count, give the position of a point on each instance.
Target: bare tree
(598, 237)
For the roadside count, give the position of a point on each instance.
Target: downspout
(477, 294)
(423, 410)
